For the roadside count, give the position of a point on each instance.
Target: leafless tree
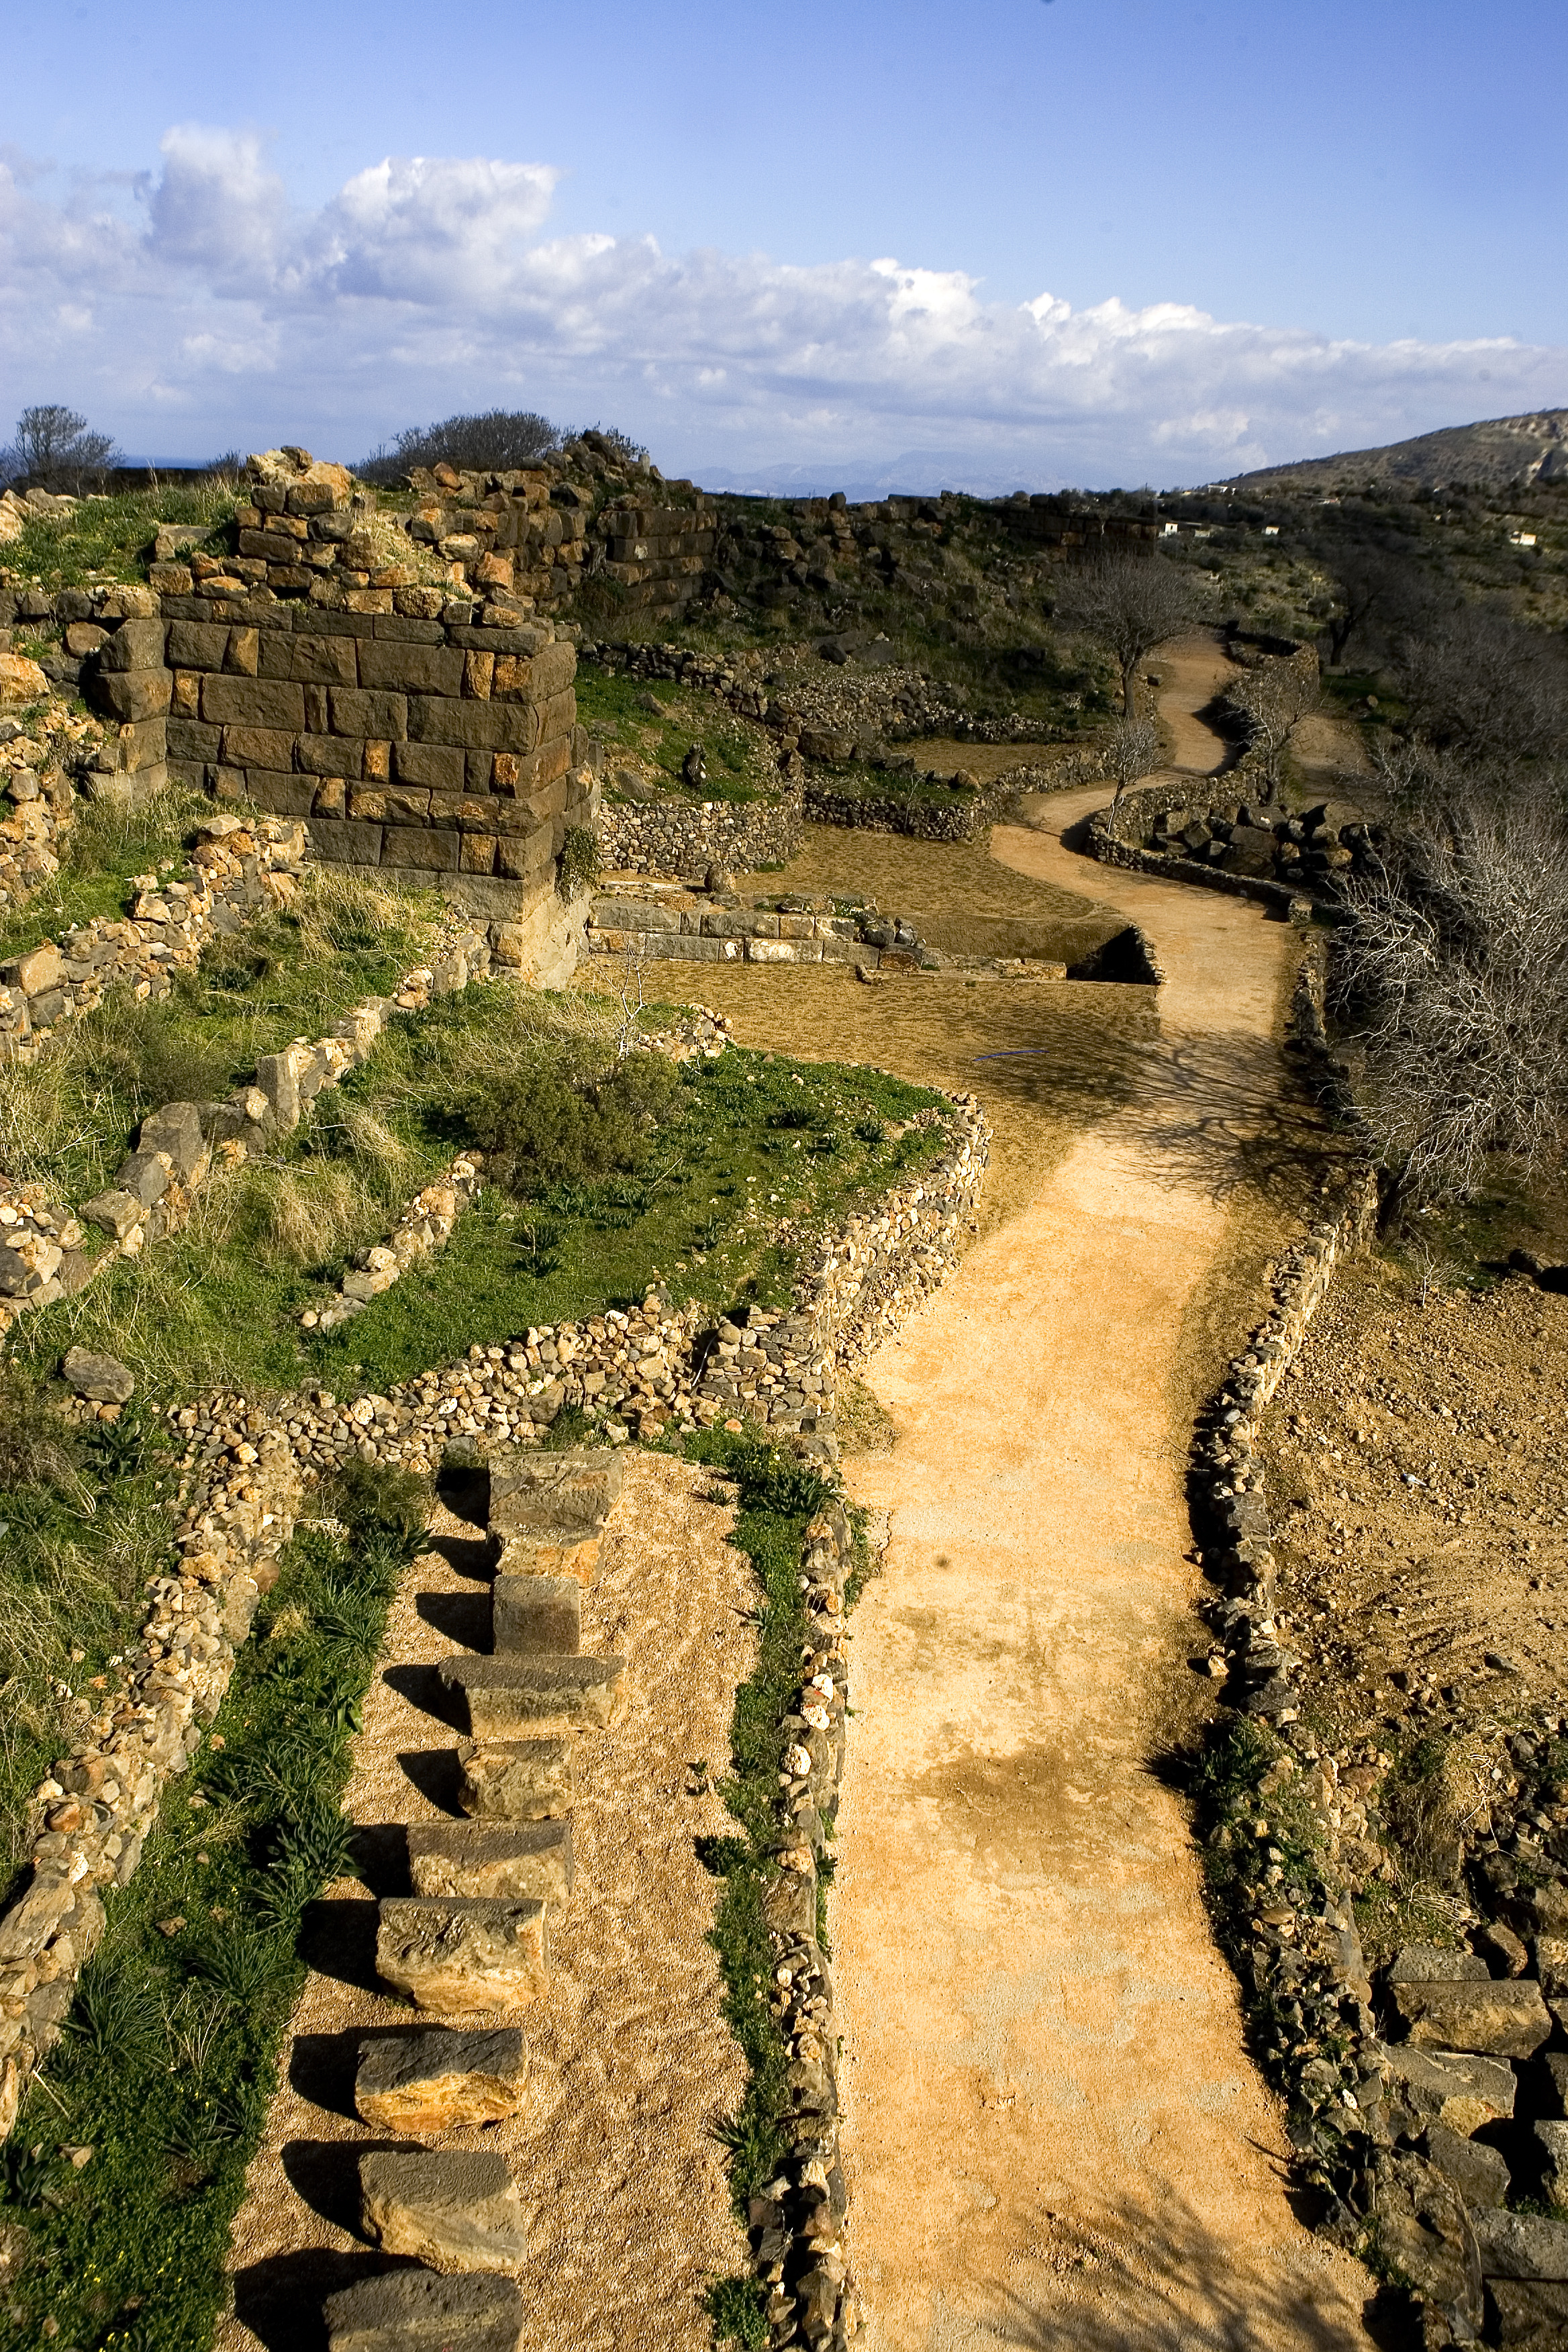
(1269, 701)
(1479, 684)
(56, 449)
(1129, 603)
(1449, 978)
(1130, 750)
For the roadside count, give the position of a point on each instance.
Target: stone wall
(1122, 834)
(680, 837)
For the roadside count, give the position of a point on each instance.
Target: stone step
(509, 1696)
(473, 1858)
(452, 2209)
(538, 1616)
(557, 1495)
(419, 2311)
(436, 2079)
(536, 1555)
(465, 1955)
(516, 1780)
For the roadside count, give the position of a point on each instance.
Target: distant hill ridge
(1500, 453)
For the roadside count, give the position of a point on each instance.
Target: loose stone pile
(425, 1226)
(36, 765)
(241, 867)
(1236, 846)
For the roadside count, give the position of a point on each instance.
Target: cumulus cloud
(427, 284)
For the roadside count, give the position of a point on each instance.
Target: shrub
(544, 1123)
(579, 866)
(493, 443)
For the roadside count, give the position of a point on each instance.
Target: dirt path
(1055, 2134)
(1191, 671)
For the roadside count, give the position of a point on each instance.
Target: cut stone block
(472, 1858)
(1451, 2086)
(538, 1616)
(506, 1696)
(516, 1780)
(453, 2208)
(532, 1556)
(466, 1954)
(553, 1494)
(1505, 2021)
(1436, 1963)
(419, 2311)
(435, 2080)
(1479, 2173)
(1551, 2139)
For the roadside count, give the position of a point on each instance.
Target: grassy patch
(82, 1527)
(170, 2053)
(107, 844)
(753, 1157)
(654, 723)
(111, 539)
(67, 1119)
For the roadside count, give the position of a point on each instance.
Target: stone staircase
(468, 1946)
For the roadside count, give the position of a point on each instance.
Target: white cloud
(427, 284)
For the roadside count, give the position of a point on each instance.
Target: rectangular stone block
(134, 693)
(197, 645)
(253, 702)
(528, 1555)
(464, 813)
(188, 738)
(516, 1780)
(522, 855)
(382, 715)
(1508, 2019)
(135, 645)
(442, 767)
(282, 795)
(437, 2080)
(503, 1859)
(258, 747)
(431, 849)
(1451, 2086)
(419, 2311)
(411, 668)
(555, 1495)
(476, 726)
(462, 1954)
(451, 2209)
(506, 1697)
(346, 845)
(329, 755)
(407, 629)
(539, 1616)
(322, 661)
(528, 638)
(476, 853)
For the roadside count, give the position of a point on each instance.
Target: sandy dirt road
(1055, 2135)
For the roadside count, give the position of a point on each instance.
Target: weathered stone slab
(419, 2311)
(516, 1780)
(538, 1616)
(1523, 2246)
(1530, 2316)
(461, 1953)
(529, 1556)
(1451, 2086)
(1478, 2173)
(453, 2208)
(1436, 1963)
(474, 1858)
(539, 1494)
(435, 2080)
(510, 1697)
(1505, 2021)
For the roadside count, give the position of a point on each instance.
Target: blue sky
(1031, 241)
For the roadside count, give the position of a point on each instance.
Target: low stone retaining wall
(241, 867)
(673, 837)
(91, 1816)
(685, 925)
(36, 766)
(425, 1226)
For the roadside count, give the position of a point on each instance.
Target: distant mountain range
(1504, 452)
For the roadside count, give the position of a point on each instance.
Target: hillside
(1499, 452)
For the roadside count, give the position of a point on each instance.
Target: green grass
(742, 760)
(105, 846)
(744, 1147)
(169, 2054)
(67, 1119)
(111, 539)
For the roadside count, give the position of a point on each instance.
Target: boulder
(1551, 2139)
(1527, 2317)
(1436, 1963)
(1477, 2171)
(538, 1616)
(506, 1698)
(21, 682)
(1424, 2229)
(437, 2080)
(1505, 2020)
(419, 2311)
(1523, 2246)
(516, 1780)
(103, 1379)
(525, 1858)
(463, 1954)
(1451, 2086)
(451, 2209)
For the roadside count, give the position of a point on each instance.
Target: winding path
(1055, 2134)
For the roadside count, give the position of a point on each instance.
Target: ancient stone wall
(681, 838)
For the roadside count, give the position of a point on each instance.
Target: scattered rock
(101, 1378)
(1505, 2020)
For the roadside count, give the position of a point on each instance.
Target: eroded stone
(1505, 2021)
(461, 1953)
(538, 1616)
(475, 1858)
(420, 2311)
(506, 1696)
(453, 2208)
(516, 1780)
(437, 2080)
